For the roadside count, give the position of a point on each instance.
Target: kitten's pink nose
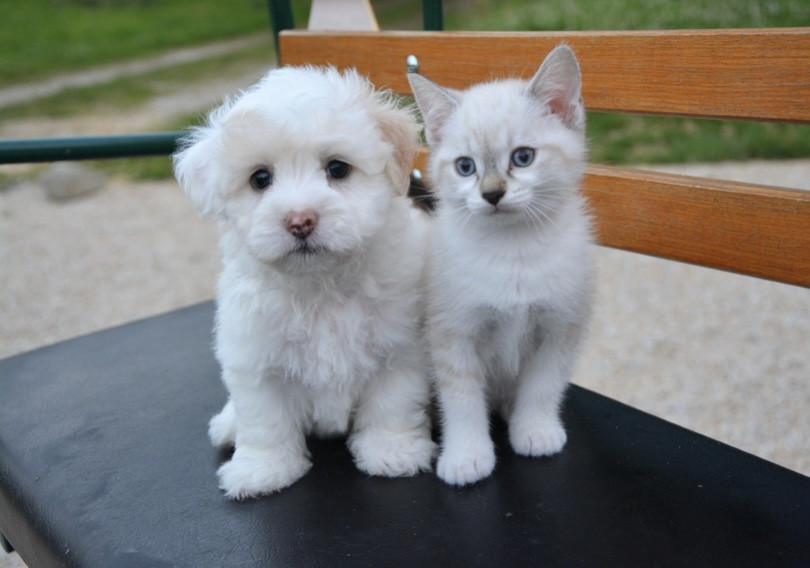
(300, 224)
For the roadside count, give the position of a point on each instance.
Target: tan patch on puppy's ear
(400, 129)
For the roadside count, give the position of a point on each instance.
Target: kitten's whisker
(535, 218)
(538, 212)
(462, 214)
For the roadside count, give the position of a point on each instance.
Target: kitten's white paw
(392, 454)
(540, 438)
(464, 466)
(222, 427)
(252, 473)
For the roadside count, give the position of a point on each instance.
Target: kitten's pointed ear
(435, 103)
(558, 84)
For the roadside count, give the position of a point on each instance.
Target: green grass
(631, 139)
(513, 15)
(42, 37)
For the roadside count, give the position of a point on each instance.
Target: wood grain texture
(749, 229)
(746, 74)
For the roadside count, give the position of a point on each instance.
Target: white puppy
(318, 303)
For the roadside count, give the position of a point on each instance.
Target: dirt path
(53, 85)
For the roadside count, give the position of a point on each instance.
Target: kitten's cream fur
(510, 273)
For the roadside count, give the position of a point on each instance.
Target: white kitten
(510, 273)
(318, 302)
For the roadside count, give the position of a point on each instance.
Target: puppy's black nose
(493, 196)
(300, 224)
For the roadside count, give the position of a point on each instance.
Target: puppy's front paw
(252, 473)
(462, 466)
(537, 438)
(392, 454)
(222, 427)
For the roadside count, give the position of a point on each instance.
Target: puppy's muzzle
(300, 224)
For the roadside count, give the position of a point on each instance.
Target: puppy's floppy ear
(400, 129)
(195, 167)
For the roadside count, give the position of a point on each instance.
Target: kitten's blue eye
(522, 157)
(337, 169)
(465, 167)
(261, 179)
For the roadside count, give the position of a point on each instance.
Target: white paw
(462, 466)
(392, 454)
(222, 427)
(252, 473)
(541, 438)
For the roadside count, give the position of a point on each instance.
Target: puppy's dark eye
(522, 157)
(337, 169)
(465, 166)
(261, 179)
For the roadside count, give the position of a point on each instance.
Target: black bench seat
(104, 461)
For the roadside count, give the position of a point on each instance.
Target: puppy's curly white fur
(317, 327)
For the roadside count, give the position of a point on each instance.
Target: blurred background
(88, 245)
(43, 40)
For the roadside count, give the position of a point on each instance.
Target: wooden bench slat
(749, 229)
(747, 74)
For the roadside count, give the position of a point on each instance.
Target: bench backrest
(749, 74)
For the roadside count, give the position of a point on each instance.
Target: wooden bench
(757, 74)
(104, 459)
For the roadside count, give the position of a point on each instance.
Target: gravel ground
(719, 353)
